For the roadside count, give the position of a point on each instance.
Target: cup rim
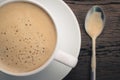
(37, 3)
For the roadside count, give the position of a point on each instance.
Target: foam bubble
(30, 46)
(30, 51)
(7, 48)
(6, 55)
(19, 51)
(4, 33)
(26, 24)
(16, 30)
(1, 58)
(30, 24)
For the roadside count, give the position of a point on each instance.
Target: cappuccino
(27, 37)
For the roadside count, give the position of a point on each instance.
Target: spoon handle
(93, 60)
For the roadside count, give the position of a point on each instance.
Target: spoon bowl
(98, 10)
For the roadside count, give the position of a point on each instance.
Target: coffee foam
(28, 37)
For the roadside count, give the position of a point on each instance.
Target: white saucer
(70, 42)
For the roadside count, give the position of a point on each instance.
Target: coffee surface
(27, 37)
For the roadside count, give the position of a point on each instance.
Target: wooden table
(108, 43)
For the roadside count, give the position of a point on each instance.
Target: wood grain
(108, 43)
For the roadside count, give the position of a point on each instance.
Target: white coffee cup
(58, 54)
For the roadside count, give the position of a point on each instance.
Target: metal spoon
(94, 24)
